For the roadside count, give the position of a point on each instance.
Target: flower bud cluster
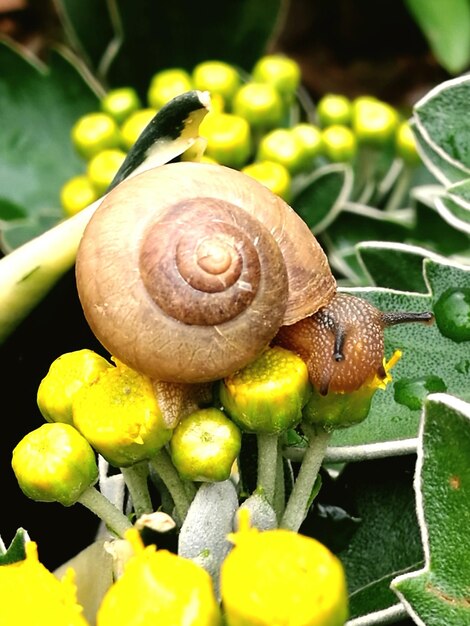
(256, 124)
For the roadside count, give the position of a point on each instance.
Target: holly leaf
(438, 593)
(37, 158)
(435, 359)
(16, 550)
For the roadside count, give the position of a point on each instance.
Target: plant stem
(400, 189)
(267, 463)
(163, 466)
(116, 521)
(135, 478)
(296, 508)
(279, 499)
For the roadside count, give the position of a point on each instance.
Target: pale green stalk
(297, 505)
(96, 502)
(135, 478)
(267, 463)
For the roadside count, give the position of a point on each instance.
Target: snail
(188, 271)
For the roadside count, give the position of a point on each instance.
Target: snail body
(186, 272)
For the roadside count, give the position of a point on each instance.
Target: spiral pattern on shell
(187, 271)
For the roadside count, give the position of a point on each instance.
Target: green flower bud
(228, 138)
(76, 194)
(120, 417)
(334, 109)
(405, 144)
(267, 396)
(374, 122)
(66, 375)
(166, 85)
(54, 463)
(310, 136)
(103, 167)
(205, 445)
(120, 103)
(93, 133)
(281, 146)
(134, 125)
(260, 104)
(217, 77)
(339, 143)
(280, 71)
(272, 175)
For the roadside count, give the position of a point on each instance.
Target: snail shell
(187, 271)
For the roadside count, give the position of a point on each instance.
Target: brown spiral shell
(187, 271)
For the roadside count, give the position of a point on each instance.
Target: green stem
(163, 466)
(279, 500)
(30, 271)
(267, 463)
(296, 508)
(135, 478)
(116, 521)
(400, 189)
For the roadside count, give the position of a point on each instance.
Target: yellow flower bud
(280, 71)
(228, 138)
(217, 77)
(66, 375)
(76, 194)
(267, 395)
(205, 445)
(93, 133)
(166, 85)
(281, 145)
(284, 578)
(54, 463)
(159, 587)
(134, 125)
(120, 103)
(274, 176)
(50, 601)
(103, 167)
(119, 415)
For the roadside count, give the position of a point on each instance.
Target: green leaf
(142, 47)
(438, 594)
(16, 550)
(39, 104)
(322, 195)
(440, 164)
(356, 223)
(394, 265)
(430, 359)
(454, 213)
(441, 118)
(379, 494)
(446, 25)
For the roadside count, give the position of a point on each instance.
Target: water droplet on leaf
(452, 312)
(411, 392)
